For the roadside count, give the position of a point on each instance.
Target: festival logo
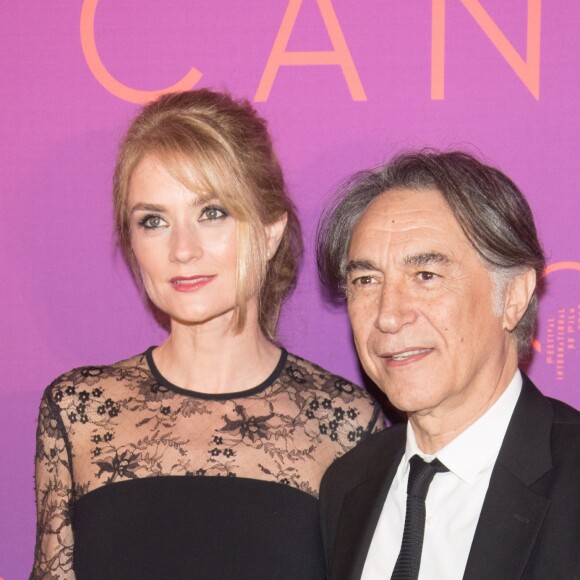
(557, 345)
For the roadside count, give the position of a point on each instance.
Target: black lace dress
(139, 479)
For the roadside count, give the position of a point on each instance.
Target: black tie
(420, 477)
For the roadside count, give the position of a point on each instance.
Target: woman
(202, 457)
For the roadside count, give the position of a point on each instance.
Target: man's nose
(396, 308)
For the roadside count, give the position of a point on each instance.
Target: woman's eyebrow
(147, 207)
(205, 199)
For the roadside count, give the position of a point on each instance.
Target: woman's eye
(212, 213)
(151, 222)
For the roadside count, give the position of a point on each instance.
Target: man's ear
(518, 295)
(274, 233)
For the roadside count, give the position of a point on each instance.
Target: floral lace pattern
(102, 425)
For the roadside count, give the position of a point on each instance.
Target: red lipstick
(190, 283)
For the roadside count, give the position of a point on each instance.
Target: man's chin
(409, 400)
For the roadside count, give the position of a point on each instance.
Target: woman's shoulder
(89, 381)
(301, 370)
(342, 413)
(327, 385)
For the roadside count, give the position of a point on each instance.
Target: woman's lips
(191, 283)
(405, 357)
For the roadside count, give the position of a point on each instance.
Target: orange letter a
(339, 56)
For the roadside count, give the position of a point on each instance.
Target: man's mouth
(407, 354)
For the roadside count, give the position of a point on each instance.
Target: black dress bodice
(138, 478)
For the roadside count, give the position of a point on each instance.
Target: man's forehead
(416, 222)
(401, 210)
(408, 204)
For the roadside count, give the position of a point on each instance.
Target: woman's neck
(211, 358)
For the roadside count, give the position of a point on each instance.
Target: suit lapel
(512, 513)
(509, 523)
(361, 510)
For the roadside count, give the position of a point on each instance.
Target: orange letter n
(339, 56)
(527, 70)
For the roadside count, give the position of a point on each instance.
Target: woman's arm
(53, 556)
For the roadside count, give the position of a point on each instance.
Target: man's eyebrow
(426, 258)
(357, 265)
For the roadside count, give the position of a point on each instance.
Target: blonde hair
(220, 147)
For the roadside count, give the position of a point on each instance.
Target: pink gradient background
(67, 297)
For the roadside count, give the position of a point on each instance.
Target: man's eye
(151, 222)
(426, 276)
(213, 212)
(363, 280)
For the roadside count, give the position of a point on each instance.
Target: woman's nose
(185, 245)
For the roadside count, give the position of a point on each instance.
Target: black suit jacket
(529, 526)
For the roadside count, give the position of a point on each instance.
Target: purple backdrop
(67, 297)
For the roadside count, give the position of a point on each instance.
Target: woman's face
(185, 247)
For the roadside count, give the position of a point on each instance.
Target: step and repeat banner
(344, 85)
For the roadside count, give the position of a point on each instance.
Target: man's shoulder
(562, 415)
(565, 414)
(565, 434)
(549, 424)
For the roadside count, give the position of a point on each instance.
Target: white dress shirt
(454, 499)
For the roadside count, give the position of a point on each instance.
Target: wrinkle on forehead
(418, 224)
(408, 215)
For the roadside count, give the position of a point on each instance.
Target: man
(439, 259)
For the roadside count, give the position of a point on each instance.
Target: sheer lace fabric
(100, 426)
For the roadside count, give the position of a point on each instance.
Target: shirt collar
(478, 446)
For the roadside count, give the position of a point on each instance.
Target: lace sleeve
(54, 539)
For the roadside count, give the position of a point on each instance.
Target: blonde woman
(202, 457)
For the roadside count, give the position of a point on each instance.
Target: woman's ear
(518, 295)
(274, 233)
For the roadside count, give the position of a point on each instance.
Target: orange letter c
(554, 268)
(106, 79)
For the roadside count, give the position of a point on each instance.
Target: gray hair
(491, 210)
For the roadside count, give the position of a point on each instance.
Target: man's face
(421, 307)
